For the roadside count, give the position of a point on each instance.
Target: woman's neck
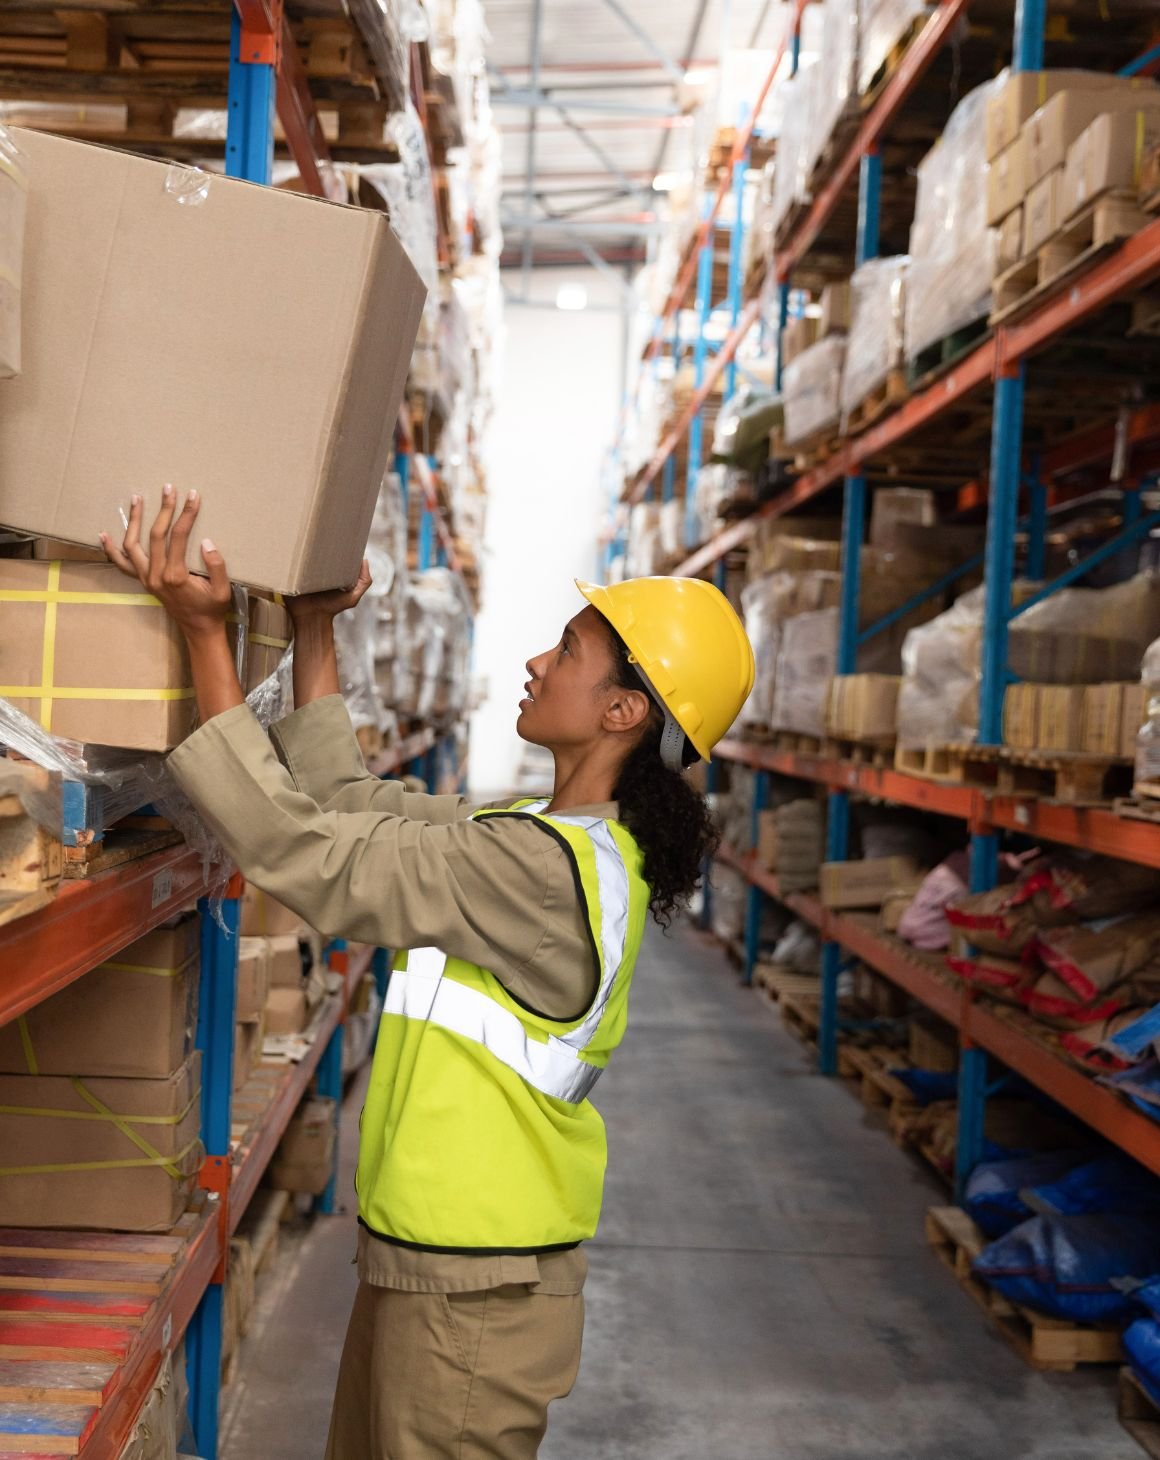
(584, 779)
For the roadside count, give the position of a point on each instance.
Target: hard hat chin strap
(672, 746)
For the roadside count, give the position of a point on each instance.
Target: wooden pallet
(886, 396)
(878, 753)
(1044, 1343)
(1141, 806)
(814, 449)
(1139, 1414)
(117, 847)
(942, 355)
(894, 59)
(1074, 778)
(879, 1087)
(801, 1015)
(1101, 225)
(928, 762)
(776, 981)
(30, 855)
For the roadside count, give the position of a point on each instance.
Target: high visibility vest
(477, 1134)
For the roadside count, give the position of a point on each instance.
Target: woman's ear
(628, 709)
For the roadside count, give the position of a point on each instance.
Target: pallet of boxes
(279, 968)
(813, 347)
(1065, 157)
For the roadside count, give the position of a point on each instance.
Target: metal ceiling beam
(615, 227)
(530, 177)
(656, 51)
(690, 50)
(602, 265)
(536, 100)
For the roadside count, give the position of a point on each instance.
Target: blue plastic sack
(928, 1085)
(1142, 1350)
(993, 1196)
(1111, 1182)
(1141, 1085)
(1075, 1267)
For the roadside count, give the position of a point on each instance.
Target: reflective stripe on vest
(554, 1068)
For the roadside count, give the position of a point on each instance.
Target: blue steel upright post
(700, 346)
(755, 898)
(736, 235)
(250, 105)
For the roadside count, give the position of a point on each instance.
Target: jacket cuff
(318, 746)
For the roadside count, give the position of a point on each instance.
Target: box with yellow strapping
(59, 623)
(120, 1155)
(1108, 157)
(269, 636)
(134, 1016)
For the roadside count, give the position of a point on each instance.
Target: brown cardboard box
(284, 955)
(134, 1016)
(1024, 92)
(140, 697)
(287, 1011)
(253, 979)
(893, 507)
(1055, 127)
(1021, 716)
(1011, 239)
(1102, 711)
(305, 1159)
(835, 303)
(248, 1037)
(1006, 181)
(863, 707)
(1041, 211)
(867, 883)
(185, 327)
(1108, 157)
(120, 1194)
(797, 337)
(263, 917)
(13, 207)
(268, 637)
(52, 549)
(1061, 716)
(1133, 716)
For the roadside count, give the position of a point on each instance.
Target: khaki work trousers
(453, 1376)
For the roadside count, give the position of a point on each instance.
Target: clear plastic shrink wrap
(790, 179)
(644, 540)
(830, 101)
(768, 604)
(937, 701)
(387, 29)
(433, 668)
(354, 637)
(953, 254)
(805, 666)
(1148, 740)
(874, 345)
(812, 386)
(883, 24)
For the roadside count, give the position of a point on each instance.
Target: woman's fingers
(131, 547)
(219, 578)
(179, 537)
(159, 535)
(117, 557)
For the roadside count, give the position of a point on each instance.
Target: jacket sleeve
(498, 892)
(318, 746)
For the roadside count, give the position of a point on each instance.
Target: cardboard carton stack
(863, 707)
(867, 883)
(1097, 719)
(100, 1094)
(791, 841)
(280, 954)
(305, 1159)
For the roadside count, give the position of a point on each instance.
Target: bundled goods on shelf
(280, 953)
(792, 544)
(433, 670)
(768, 605)
(13, 195)
(304, 1160)
(812, 391)
(863, 707)
(922, 921)
(867, 883)
(791, 180)
(1147, 750)
(252, 991)
(791, 842)
(875, 346)
(729, 894)
(895, 509)
(723, 492)
(953, 253)
(884, 27)
(801, 333)
(256, 276)
(741, 435)
(834, 99)
(31, 856)
(162, 1418)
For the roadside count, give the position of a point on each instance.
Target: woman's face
(570, 688)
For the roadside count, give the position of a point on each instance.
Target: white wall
(557, 410)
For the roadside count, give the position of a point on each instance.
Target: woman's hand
(199, 606)
(330, 604)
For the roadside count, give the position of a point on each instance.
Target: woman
(481, 1159)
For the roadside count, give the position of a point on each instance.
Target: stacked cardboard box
(285, 953)
(867, 883)
(790, 842)
(863, 707)
(305, 1159)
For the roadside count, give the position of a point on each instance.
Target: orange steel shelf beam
(92, 919)
(910, 72)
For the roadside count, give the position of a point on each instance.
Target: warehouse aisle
(777, 1307)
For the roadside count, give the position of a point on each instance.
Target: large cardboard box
(248, 1037)
(1061, 716)
(863, 707)
(263, 917)
(1042, 213)
(287, 1011)
(1133, 717)
(1108, 157)
(1011, 239)
(1102, 711)
(867, 883)
(253, 979)
(1055, 127)
(284, 960)
(57, 626)
(799, 335)
(304, 1161)
(1024, 92)
(835, 304)
(269, 635)
(1021, 716)
(185, 327)
(895, 507)
(134, 1016)
(13, 201)
(1006, 181)
(121, 1155)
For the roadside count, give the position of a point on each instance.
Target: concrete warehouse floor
(760, 1288)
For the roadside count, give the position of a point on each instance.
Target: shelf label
(162, 888)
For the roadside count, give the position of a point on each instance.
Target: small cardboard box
(1108, 157)
(867, 883)
(798, 336)
(285, 961)
(262, 917)
(1061, 709)
(1102, 711)
(835, 303)
(1021, 716)
(269, 635)
(253, 979)
(134, 1016)
(896, 507)
(287, 1011)
(304, 1161)
(1133, 716)
(1024, 92)
(184, 327)
(57, 625)
(1006, 181)
(1011, 239)
(65, 1171)
(863, 707)
(248, 1039)
(1055, 127)
(1041, 211)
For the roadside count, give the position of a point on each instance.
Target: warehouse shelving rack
(91, 920)
(998, 365)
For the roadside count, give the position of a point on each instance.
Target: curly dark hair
(669, 820)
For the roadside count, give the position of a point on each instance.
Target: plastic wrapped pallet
(812, 390)
(874, 346)
(953, 254)
(13, 200)
(790, 179)
(805, 666)
(831, 101)
(768, 604)
(884, 23)
(1147, 771)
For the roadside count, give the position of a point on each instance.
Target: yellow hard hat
(688, 642)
